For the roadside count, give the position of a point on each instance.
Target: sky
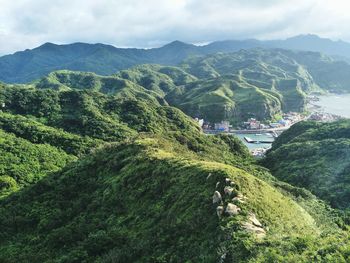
(152, 23)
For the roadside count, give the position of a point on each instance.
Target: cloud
(29, 23)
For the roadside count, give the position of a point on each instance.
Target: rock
(241, 196)
(227, 180)
(252, 219)
(217, 197)
(217, 185)
(254, 226)
(209, 175)
(228, 190)
(258, 231)
(239, 200)
(232, 209)
(219, 210)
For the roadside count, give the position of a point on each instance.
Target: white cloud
(29, 23)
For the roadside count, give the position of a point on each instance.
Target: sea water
(337, 104)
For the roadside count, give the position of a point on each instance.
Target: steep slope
(259, 83)
(234, 86)
(270, 64)
(330, 74)
(315, 156)
(226, 98)
(143, 202)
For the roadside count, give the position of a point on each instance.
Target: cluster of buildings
(287, 120)
(223, 126)
(253, 124)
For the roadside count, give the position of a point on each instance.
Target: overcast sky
(150, 23)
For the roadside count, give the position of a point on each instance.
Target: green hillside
(31, 64)
(42, 130)
(260, 83)
(225, 98)
(151, 200)
(330, 74)
(101, 169)
(315, 156)
(23, 163)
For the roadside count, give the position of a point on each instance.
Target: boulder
(258, 231)
(228, 190)
(217, 197)
(252, 219)
(219, 210)
(232, 209)
(237, 199)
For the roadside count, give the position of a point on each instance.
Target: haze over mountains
(28, 65)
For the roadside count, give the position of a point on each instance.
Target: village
(252, 125)
(257, 135)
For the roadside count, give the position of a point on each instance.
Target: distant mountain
(314, 43)
(256, 83)
(28, 65)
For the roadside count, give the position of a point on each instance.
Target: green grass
(142, 201)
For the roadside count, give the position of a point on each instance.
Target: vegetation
(23, 163)
(232, 86)
(91, 211)
(101, 169)
(29, 65)
(315, 156)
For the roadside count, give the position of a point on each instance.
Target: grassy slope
(147, 201)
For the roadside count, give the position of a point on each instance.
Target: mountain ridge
(30, 64)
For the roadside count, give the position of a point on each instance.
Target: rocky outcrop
(230, 207)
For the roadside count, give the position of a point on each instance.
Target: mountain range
(92, 176)
(108, 166)
(28, 65)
